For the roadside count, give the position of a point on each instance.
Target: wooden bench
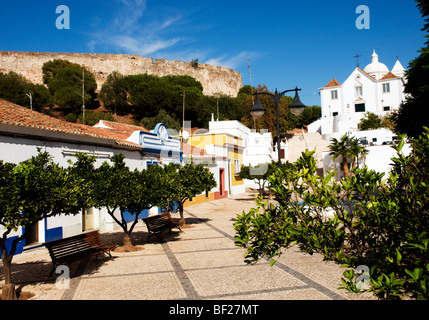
(68, 250)
(158, 223)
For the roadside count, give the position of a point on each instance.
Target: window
(359, 91)
(237, 166)
(360, 107)
(386, 108)
(386, 87)
(334, 95)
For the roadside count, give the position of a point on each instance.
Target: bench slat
(158, 223)
(78, 247)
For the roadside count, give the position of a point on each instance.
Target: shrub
(378, 224)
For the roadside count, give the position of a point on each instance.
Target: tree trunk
(182, 218)
(182, 222)
(345, 167)
(8, 290)
(127, 242)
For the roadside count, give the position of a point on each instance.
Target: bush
(378, 225)
(370, 121)
(71, 117)
(92, 118)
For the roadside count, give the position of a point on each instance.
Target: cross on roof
(357, 56)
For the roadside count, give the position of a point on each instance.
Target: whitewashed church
(372, 89)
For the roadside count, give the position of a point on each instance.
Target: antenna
(250, 74)
(83, 94)
(250, 69)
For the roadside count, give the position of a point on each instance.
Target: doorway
(221, 182)
(32, 234)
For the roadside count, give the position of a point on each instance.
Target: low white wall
(378, 159)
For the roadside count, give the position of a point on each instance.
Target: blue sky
(289, 43)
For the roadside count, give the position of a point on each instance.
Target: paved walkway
(200, 263)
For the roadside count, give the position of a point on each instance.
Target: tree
(287, 120)
(184, 82)
(370, 121)
(356, 151)
(148, 94)
(413, 115)
(111, 189)
(64, 80)
(229, 108)
(34, 190)
(162, 117)
(186, 182)
(14, 88)
(309, 115)
(259, 174)
(379, 223)
(338, 149)
(147, 190)
(119, 189)
(9, 220)
(349, 149)
(93, 117)
(114, 94)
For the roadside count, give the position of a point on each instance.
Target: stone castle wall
(213, 78)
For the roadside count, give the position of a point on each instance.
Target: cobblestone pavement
(200, 263)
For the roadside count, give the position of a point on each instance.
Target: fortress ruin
(213, 78)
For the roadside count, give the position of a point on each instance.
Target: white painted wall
(378, 159)
(373, 96)
(18, 149)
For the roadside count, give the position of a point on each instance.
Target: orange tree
(34, 190)
(378, 224)
(186, 182)
(122, 191)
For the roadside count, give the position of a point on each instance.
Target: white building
(23, 132)
(374, 89)
(258, 147)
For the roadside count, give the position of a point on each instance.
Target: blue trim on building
(129, 217)
(53, 234)
(19, 247)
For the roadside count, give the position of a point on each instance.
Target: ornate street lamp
(296, 107)
(257, 110)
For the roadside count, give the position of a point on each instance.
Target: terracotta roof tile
(332, 83)
(389, 75)
(16, 115)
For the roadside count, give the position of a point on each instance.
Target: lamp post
(296, 107)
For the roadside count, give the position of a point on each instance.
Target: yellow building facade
(227, 153)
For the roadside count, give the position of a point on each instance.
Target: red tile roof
(332, 83)
(15, 115)
(389, 75)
